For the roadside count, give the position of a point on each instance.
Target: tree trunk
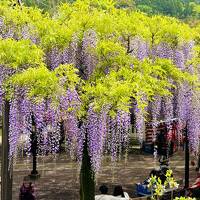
(87, 177)
(6, 174)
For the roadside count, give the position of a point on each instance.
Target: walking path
(60, 176)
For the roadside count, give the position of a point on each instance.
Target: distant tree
(126, 4)
(176, 8)
(46, 5)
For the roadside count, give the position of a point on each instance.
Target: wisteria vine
(105, 134)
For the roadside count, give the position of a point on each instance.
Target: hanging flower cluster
(139, 123)
(139, 48)
(181, 104)
(107, 134)
(87, 57)
(47, 123)
(4, 73)
(118, 134)
(69, 104)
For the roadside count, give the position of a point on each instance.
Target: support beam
(187, 159)
(6, 175)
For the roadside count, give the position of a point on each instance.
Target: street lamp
(34, 146)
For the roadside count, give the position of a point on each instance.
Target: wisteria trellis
(105, 133)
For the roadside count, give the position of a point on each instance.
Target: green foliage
(118, 76)
(144, 79)
(175, 8)
(184, 198)
(46, 5)
(68, 75)
(127, 4)
(102, 16)
(18, 16)
(169, 30)
(170, 182)
(158, 189)
(19, 54)
(39, 82)
(42, 26)
(52, 33)
(42, 83)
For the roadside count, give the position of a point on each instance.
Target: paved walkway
(60, 176)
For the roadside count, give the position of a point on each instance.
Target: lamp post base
(34, 176)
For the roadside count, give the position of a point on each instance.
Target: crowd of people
(27, 192)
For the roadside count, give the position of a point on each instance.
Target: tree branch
(19, 2)
(129, 50)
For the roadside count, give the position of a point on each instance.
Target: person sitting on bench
(119, 192)
(104, 193)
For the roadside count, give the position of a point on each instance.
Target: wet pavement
(60, 176)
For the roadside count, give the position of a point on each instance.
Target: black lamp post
(34, 146)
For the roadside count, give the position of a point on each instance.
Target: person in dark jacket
(27, 190)
(119, 193)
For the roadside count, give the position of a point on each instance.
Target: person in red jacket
(197, 182)
(194, 190)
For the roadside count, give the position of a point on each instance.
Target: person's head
(27, 181)
(164, 160)
(154, 172)
(118, 191)
(103, 189)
